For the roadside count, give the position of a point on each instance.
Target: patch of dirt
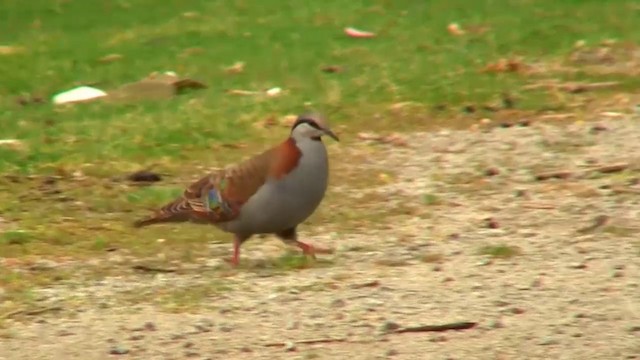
(568, 288)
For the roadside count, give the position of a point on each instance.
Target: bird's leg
(237, 242)
(290, 236)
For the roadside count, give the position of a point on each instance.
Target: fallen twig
(538, 206)
(560, 174)
(436, 328)
(565, 174)
(147, 268)
(31, 312)
(573, 88)
(597, 223)
(308, 342)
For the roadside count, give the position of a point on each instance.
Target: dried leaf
(505, 66)
(356, 33)
(191, 51)
(394, 139)
(455, 29)
(331, 69)
(110, 58)
(236, 68)
(11, 50)
(13, 144)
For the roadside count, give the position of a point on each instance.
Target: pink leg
(235, 260)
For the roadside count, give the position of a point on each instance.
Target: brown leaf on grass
(191, 51)
(110, 58)
(331, 69)
(233, 145)
(236, 68)
(455, 29)
(513, 65)
(572, 87)
(266, 123)
(11, 50)
(394, 139)
(13, 144)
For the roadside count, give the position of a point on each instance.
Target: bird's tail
(162, 217)
(175, 211)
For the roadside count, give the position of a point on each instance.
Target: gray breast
(285, 203)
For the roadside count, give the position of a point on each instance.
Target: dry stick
(147, 268)
(565, 174)
(309, 342)
(573, 87)
(422, 328)
(31, 312)
(437, 328)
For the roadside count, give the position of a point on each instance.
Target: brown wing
(218, 196)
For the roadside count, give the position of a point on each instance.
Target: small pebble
(517, 311)
(578, 265)
(634, 329)
(496, 324)
(118, 350)
(338, 303)
(548, 341)
(391, 352)
(289, 346)
(389, 326)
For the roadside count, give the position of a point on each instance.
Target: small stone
(44, 265)
(492, 171)
(619, 267)
(391, 352)
(578, 265)
(548, 341)
(536, 283)
(438, 338)
(150, 326)
(577, 335)
(64, 332)
(187, 345)
(292, 325)
(389, 326)
(245, 349)
(136, 337)
(496, 324)
(118, 350)
(338, 303)
(436, 268)
(617, 274)
(491, 223)
(634, 329)
(225, 328)
(191, 354)
(517, 310)
(289, 346)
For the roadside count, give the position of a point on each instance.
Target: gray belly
(283, 204)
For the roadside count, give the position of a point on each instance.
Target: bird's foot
(311, 250)
(233, 261)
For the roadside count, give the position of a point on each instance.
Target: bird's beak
(331, 134)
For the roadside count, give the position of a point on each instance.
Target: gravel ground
(570, 290)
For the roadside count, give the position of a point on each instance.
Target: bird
(270, 193)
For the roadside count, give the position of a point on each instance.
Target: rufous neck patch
(287, 158)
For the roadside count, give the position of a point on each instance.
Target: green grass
(62, 193)
(500, 251)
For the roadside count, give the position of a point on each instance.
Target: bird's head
(311, 126)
